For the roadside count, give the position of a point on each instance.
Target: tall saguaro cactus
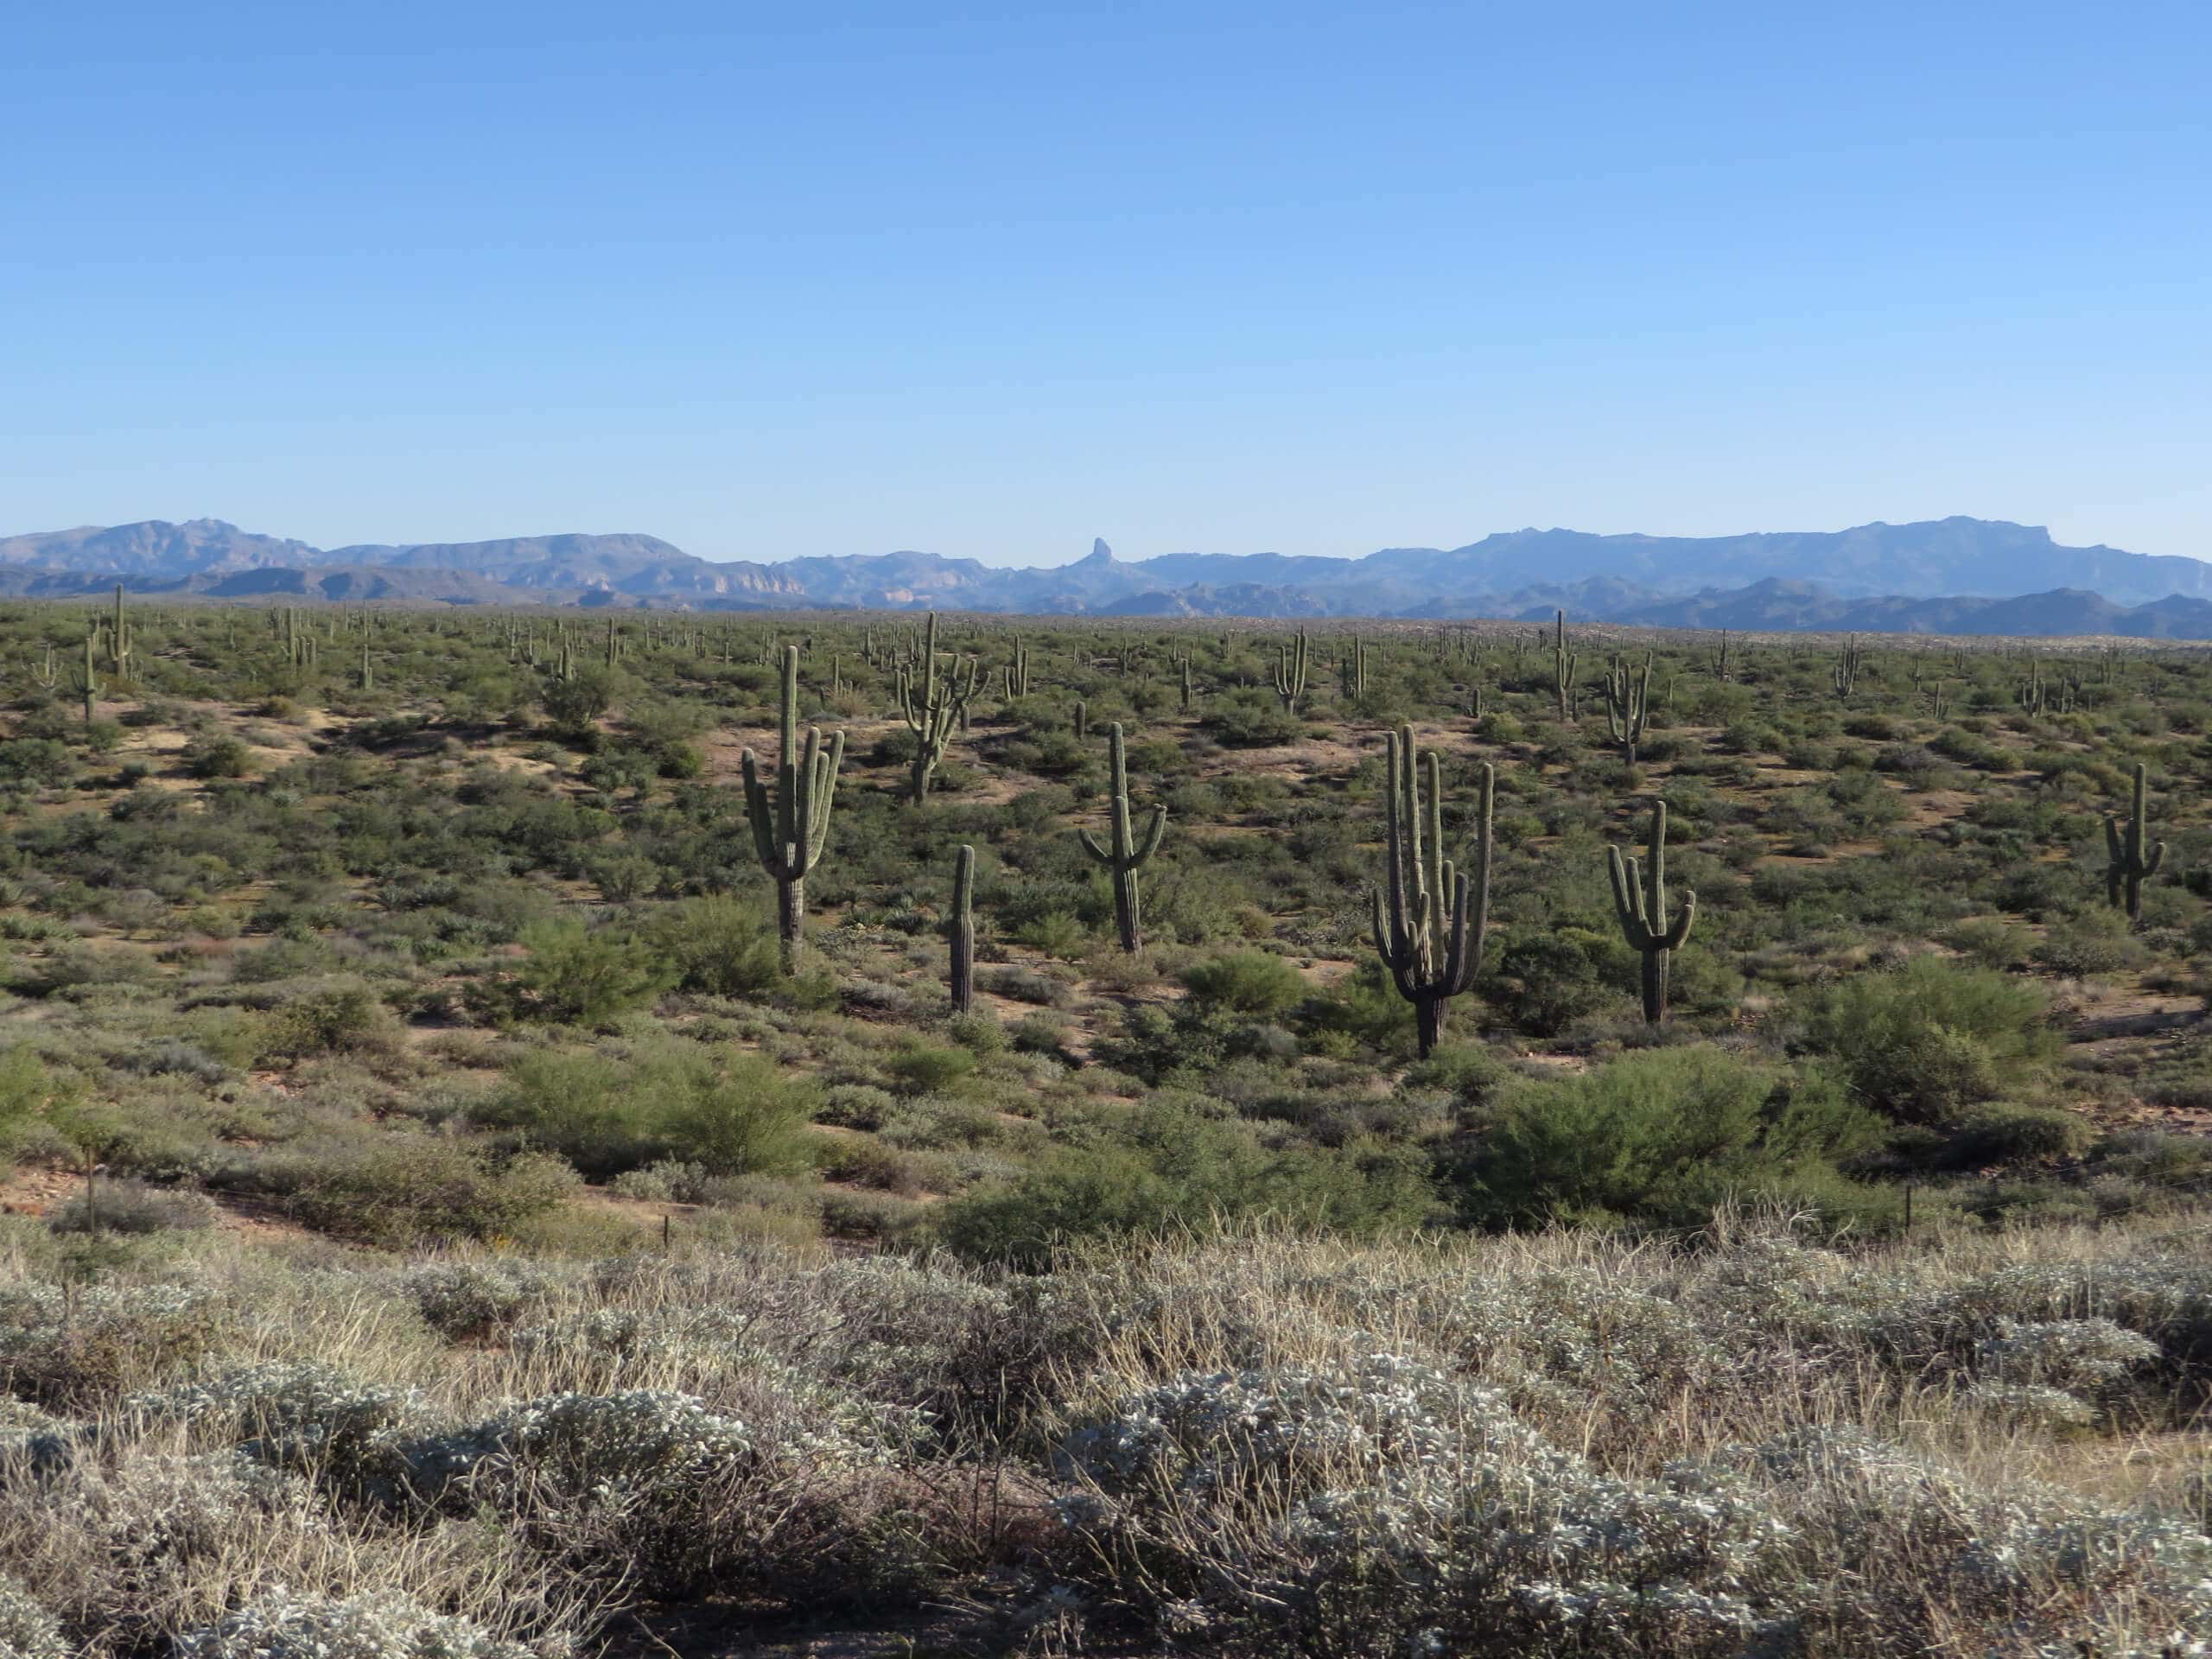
(1290, 673)
(1126, 854)
(1848, 662)
(960, 931)
(1563, 661)
(933, 704)
(1430, 920)
(788, 832)
(1628, 705)
(1640, 900)
(88, 681)
(2130, 861)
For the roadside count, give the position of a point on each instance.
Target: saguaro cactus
(1640, 900)
(1290, 673)
(788, 832)
(1563, 661)
(1354, 671)
(1430, 921)
(119, 641)
(1628, 705)
(1848, 662)
(2130, 861)
(1017, 672)
(933, 704)
(1125, 854)
(88, 681)
(1186, 682)
(960, 931)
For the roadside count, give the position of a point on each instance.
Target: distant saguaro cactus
(1563, 662)
(1848, 662)
(1125, 854)
(1640, 900)
(88, 683)
(1290, 673)
(1628, 705)
(2130, 861)
(788, 832)
(960, 931)
(1430, 921)
(933, 704)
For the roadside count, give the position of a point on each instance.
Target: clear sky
(991, 279)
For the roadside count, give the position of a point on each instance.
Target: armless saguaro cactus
(1126, 854)
(1640, 900)
(1430, 921)
(933, 704)
(960, 931)
(789, 832)
(2130, 861)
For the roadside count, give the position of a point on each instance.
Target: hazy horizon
(1120, 553)
(1227, 279)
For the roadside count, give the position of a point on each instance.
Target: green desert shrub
(1244, 982)
(1662, 1136)
(733, 1113)
(1921, 1042)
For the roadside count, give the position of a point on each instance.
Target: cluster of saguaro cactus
(2034, 695)
(790, 830)
(46, 677)
(1628, 704)
(1845, 676)
(121, 642)
(960, 931)
(2132, 856)
(1563, 662)
(934, 704)
(1290, 672)
(1126, 853)
(1640, 900)
(1352, 671)
(1430, 920)
(1723, 670)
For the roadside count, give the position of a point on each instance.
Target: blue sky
(990, 280)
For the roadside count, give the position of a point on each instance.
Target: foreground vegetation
(520, 1129)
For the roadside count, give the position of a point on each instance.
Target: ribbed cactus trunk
(1640, 901)
(2129, 860)
(933, 704)
(1127, 852)
(1563, 661)
(1430, 921)
(789, 832)
(960, 931)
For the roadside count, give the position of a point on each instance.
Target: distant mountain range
(1951, 575)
